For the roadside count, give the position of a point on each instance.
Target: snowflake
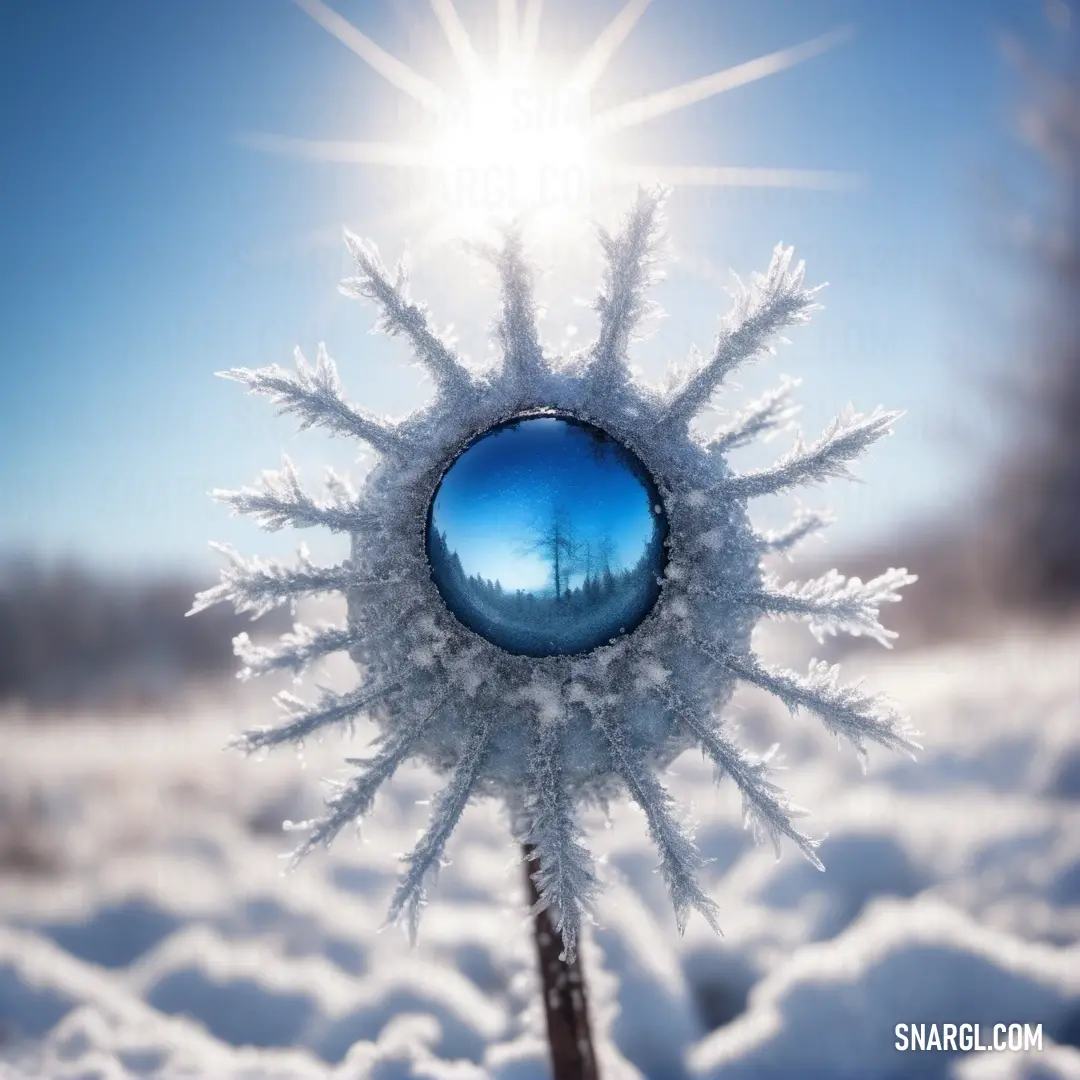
(551, 735)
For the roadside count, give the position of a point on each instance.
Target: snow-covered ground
(147, 928)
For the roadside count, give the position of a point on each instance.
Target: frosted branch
(844, 710)
(632, 258)
(259, 585)
(305, 720)
(516, 329)
(279, 500)
(774, 300)
(565, 877)
(848, 436)
(833, 603)
(353, 798)
(314, 395)
(295, 652)
(426, 858)
(767, 811)
(805, 524)
(680, 859)
(399, 315)
(763, 418)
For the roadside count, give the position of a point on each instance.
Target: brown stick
(565, 1003)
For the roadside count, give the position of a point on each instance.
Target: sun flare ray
(457, 37)
(736, 176)
(341, 151)
(651, 106)
(393, 70)
(507, 27)
(530, 29)
(597, 57)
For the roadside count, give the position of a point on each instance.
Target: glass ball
(546, 537)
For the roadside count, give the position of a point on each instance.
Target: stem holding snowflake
(563, 989)
(549, 732)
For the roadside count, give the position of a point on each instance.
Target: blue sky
(496, 502)
(147, 247)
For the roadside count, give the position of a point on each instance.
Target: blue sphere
(546, 537)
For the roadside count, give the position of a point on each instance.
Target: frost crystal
(548, 735)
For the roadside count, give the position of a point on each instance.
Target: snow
(147, 928)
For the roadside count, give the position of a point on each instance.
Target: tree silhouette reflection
(552, 498)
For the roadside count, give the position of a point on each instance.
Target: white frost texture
(551, 736)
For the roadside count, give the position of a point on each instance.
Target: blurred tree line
(1037, 496)
(72, 638)
(1019, 552)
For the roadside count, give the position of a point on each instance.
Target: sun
(526, 138)
(516, 144)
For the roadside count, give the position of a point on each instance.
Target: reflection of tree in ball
(544, 537)
(546, 732)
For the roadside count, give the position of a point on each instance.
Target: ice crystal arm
(766, 808)
(680, 859)
(516, 328)
(844, 710)
(352, 799)
(805, 524)
(832, 603)
(774, 300)
(295, 652)
(278, 500)
(565, 876)
(427, 856)
(399, 315)
(305, 720)
(842, 441)
(631, 258)
(259, 585)
(314, 395)
(762, 418)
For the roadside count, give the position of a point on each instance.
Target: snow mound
(832, 1009)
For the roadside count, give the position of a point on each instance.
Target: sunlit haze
(524, 139)
(177, 178)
